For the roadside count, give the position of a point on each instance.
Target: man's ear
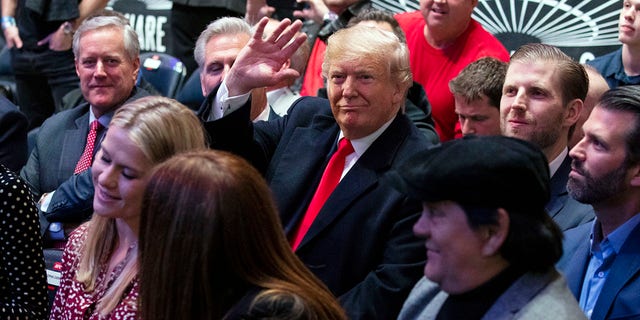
(75, 62)
(635, 175)
(496, 234)
(573, 110)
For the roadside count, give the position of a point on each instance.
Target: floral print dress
(72, 302)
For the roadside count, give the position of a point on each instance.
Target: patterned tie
(85, 160)
(328, 182)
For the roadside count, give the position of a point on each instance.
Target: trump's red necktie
(328, 182)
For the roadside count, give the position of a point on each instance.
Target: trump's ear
(496, 234)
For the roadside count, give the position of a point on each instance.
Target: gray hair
(224, 25)
(131, 42)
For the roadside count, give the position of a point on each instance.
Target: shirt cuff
(45, 200)
(223, 104)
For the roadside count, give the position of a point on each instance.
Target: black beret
(491, 171)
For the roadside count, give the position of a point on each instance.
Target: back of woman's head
(209, 215)
(160, 127)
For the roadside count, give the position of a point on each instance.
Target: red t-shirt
(313, 80)
(434, 68)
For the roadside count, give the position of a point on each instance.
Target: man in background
(542, 99)
(622, 67)
(477, 91)
(443, 39)
(39, 34)
(597, 87)
(107, 62)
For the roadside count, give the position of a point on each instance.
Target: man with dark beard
(542, 98)
(602, 259)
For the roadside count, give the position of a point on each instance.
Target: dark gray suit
(60, 143)
(563, 209)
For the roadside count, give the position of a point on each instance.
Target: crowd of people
(357, 165)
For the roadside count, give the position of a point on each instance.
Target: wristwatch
(67, 28)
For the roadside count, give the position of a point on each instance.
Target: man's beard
(592, 190)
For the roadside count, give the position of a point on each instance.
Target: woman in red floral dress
(100, 265)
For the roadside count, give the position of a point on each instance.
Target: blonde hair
(160, 127)
(358, 43)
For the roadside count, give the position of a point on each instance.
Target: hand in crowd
(259, 64)
(314, 10)
(58, 40)
(12, 36)
(258, 9)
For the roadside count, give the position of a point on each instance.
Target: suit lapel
(352, 186)
(559, 188)
(75, 138)
(300, 167)
(577, 266)
(362, 177)
(625, 266)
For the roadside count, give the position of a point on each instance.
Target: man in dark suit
(359, 240)
(602, 259)
(107, 61)
(13, 135)
(542, 98)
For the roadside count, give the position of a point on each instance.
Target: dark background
(583, 29)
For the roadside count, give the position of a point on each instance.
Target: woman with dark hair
(212, 240)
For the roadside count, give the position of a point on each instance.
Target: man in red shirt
(442, 40)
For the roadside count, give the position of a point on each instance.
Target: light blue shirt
(603, 253)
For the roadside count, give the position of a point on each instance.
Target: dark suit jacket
(13, 136)
(563, 209)
(620, 296)
(361, 244)
(60, 143)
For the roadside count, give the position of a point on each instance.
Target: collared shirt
(360, 146)
(611, 68)
(104, 120)
(223, 105)
(603, 253)
(557, 162)
(281, 99)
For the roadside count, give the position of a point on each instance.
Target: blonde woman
(100, 265)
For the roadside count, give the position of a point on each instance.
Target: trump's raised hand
(259, 63)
